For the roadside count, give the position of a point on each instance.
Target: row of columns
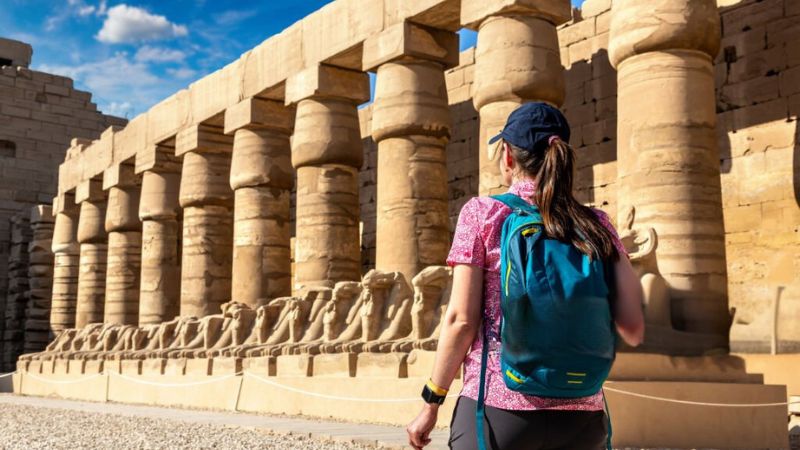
(232, 199)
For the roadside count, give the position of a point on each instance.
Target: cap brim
(496, 138)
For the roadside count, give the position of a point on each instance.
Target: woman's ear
(508, 158)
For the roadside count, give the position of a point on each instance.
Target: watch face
(430, 397)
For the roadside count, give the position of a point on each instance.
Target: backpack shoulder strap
(516, 202)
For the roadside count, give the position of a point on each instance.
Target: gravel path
(30, 428)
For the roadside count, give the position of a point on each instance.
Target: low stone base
(175, 366)
(198, 366)
(76, 366)
(226, 366)
(382, 365)
(154, 366)
(334, 365)
(93, 366)
(131, 367)
(295, 365)
(637, 421)
(261, 365)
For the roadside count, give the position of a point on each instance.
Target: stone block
(262, 365)
(226, 366)
(751, 16)
(119, 175)
(328, 81)
(165, 118)
(93, 366)
(154, 366)
(592, 8)
(18, 52)
(382, 365)
(57, 90)
(76, 366)
(790, 81)
(761, 64)
(89, 190)
(34, 366)
(443, 14)
(757, 90)
(198, 366)
(409, 40)
(294, 365)
(336, 364)
(130, 367)
(473, 12)
(576, 32)
(203, 138)
(258, 113)
(268, 65)
(175, 366)
(210, 95)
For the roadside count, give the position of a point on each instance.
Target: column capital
(642, 26)
(202, 138)
(259, 113)
(409, 40)
(328, 81)
(474, 12)
(89, 190)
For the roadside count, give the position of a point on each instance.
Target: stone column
(411, 125)
(124, 248)
(667, 155)
(262, 178)
(93, 240)
(207, 202)
(517, 60)
(40, 279)
(327, 152)
(160, 288)
(66, 252)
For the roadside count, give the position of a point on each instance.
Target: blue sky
(132, 54)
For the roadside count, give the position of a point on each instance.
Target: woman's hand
(419, 429)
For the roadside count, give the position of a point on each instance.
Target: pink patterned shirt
(477, 242)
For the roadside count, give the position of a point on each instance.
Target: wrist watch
(433, 394)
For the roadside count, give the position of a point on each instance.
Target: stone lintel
(89, 190)
(121, 175)
(202, 138)
(407, 39)
(64, 202)
(473, 12)
(259, 113)
(157, 157)
(328, 81)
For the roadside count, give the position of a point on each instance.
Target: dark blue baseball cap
(531, 125)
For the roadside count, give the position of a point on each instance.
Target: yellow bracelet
(436, 389)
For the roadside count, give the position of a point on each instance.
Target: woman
(536, 161)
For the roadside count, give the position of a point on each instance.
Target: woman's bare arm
(628, 313)
(460, 323)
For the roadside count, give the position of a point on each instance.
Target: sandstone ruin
(260, 222)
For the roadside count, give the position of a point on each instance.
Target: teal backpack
(556, 332)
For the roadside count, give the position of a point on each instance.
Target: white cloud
(159, 54)
(73, 8)
(232, 17)
(182, 73)
(86, 10)
(129, 24)
(123, 109)
(118, 80)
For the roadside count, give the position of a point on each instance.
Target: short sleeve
(606, 221)
(468, 246)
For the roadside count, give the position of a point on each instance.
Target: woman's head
(535, 146)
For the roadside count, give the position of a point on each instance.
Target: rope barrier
(335, 397)
(689, 402)
(192, 383)
(376, 400)
(3, 375)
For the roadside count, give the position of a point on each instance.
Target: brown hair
(564, 217)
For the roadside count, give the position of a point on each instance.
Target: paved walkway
(379, 435)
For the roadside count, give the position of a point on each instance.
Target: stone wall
(39, 114)
(758, 100)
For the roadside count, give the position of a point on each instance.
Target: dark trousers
(528, 430)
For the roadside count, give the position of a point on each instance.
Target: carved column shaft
(517, 60)
(667, 159)
(327, 153)
(411, 125)
(66, 265)
(160, 288)
(124, 252)
(93, 256)
(207, 201)
(262, 179)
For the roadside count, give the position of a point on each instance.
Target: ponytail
(564, 218)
